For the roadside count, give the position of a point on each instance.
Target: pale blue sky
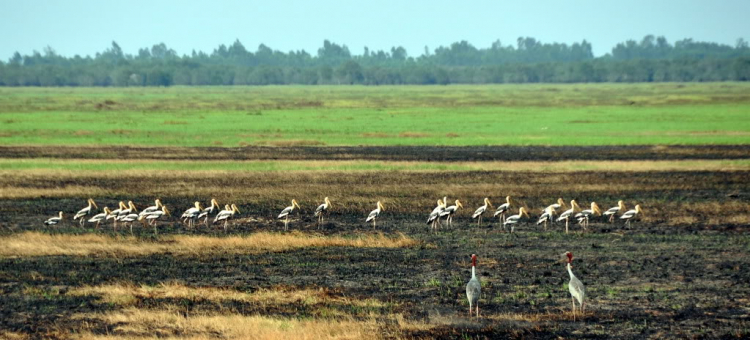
(88, 26)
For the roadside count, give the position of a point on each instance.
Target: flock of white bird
(128, 214)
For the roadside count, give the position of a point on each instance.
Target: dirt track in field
(390, 153)
(678, 272)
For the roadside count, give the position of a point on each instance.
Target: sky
(85, 27)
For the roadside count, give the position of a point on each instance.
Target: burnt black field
(679, 272)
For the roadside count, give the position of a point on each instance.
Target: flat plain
(676, 272)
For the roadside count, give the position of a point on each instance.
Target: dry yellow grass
(135, 323)
(39, 244)
(124, 294)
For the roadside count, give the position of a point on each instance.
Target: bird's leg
(566, 224)
(574, 308)
(477, 308)
(131, 228)
(226, 222)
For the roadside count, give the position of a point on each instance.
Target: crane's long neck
(570, 272)
(473, 271)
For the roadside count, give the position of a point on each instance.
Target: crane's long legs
(574, 308)
(566, 224)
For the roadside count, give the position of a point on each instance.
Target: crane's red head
(473, 260)
(570, 257)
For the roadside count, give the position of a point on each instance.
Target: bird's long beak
(132, 206)
(158, 203)
(166, 211)
(93, 203)
(234, 207)
(215, 203)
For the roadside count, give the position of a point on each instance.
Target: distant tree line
(653, 59)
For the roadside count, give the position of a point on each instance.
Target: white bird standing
(375, 213)
(611, 212)
(129, 219)
(553, 208)
(157, 205)
(503, 209)
(129, 209)
(322, 210)
(54, 220)
(546, 216)
(85, 212)
(226, 214)
(631, 214)
(434, 218)
(568, 214)
(191, 215)
(478, 213)
(125, 211)
(98, 218)
(205, 214)
(153, 216)
(576, 287)
(474, 287)
(513, 220)
(287, 211)
(450, 211)
(584, 216)
(115, 214)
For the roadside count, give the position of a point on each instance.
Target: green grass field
(588, 114)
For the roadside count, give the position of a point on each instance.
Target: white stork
(584, 216)
(450, 211)
(214, 208)
(576, 287)
(478, 213)
(98, 218)
(503, 209)
(153, 216)
(513, 220)
(226, 214)
(568, 214)
(434, 218)
(286, 212)
(631, 214)
(375, 213)
(114, 215)
(191, 215)
(54, 220)
(553, 207)
(611, 212)
(85, 212)
(322, 210)
(129, 219)
(157, 205)
(547, 216)
(474, 287)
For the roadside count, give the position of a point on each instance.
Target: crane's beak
(93, 203)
